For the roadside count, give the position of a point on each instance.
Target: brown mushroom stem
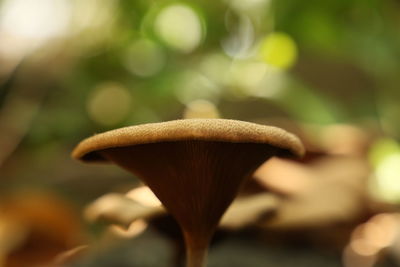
(196, 250)
(195, 180)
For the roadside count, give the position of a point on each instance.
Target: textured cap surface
(221, 130)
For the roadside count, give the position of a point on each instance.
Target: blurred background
(326, 70)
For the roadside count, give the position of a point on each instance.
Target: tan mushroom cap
(221, 130)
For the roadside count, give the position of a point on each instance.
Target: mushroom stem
(196, 257)
(195, 180)
(196, 250)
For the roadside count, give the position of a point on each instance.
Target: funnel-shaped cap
(195, 167)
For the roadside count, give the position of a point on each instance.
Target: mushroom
(195, 167)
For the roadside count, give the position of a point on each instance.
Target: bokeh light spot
(180, 27)
(109, 104)
(35, 19)
(387, 178)
(255, 78)
(193, 85)
(144, 58)
(245, 76)
(215, 67)
(381, 149)
(201, 108)
(278, 50)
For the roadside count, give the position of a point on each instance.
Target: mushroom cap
(221, 130)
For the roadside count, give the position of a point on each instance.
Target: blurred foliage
(350, 46)
(346, 70)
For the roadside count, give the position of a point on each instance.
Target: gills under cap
(222, 130)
